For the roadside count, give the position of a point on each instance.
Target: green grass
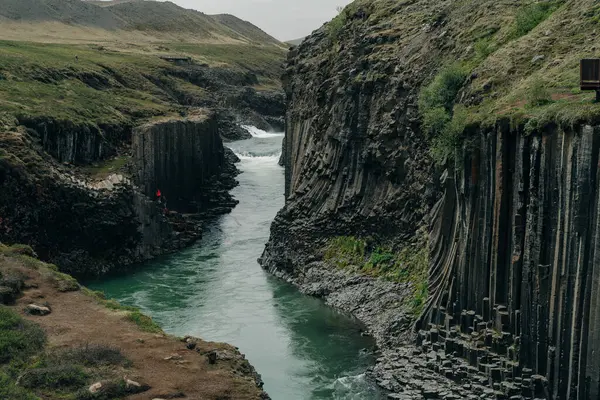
(115, 165)
(144, 322)
(10, 391)
(108, 86)
(55, 377)
(19, 339)
(346, 251)
(530, 16)
(409, 265)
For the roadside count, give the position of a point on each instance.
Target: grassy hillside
(478, 61)
(150, 21)
(109, 86)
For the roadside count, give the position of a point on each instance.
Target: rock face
(92, 228)
(515, 261)
(77, 143)
(513, 284)
(179, 157)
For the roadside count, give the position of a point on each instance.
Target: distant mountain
(135, 15)
(296, 42)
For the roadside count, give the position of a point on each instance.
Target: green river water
(217, 291)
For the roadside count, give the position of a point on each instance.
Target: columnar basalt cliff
(514, 273)
(422, 116)
(92, 227)
(182, 159)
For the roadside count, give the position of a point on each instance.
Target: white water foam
(267, 159)
(353, 388)
(259, 133)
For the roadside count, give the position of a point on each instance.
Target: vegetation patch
(19, 338)
(409, 265)
(55, 377)
(441, 121)
(345, 251)
(92, 355)
(144, 322)
(528, 17)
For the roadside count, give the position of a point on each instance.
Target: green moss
(66, 283)
(144, 322)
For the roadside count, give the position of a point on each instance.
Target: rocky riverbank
(87, 347)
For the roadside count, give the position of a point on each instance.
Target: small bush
(443, 90)
(144, 322)
(434, 120)
(538, 94)
(19, 339)
(450, 137)
(55, 377)
(93, 356)
(336, 26)
(10, 391)
(530, 16)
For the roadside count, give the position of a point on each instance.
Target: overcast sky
(284, 19)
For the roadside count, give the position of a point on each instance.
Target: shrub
(336, 26)
(443, 90)
(434, 120)
(530, 16)
(450, 137)
(93, 356)
(8, 390)
(484, 47)
(538, 94)
(19, 339)
(55, 377)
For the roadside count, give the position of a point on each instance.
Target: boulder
(35, 309)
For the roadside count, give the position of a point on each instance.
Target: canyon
(440, 180)
(431, 193)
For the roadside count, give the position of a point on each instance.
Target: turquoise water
(216, 290)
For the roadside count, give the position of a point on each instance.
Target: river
(216, 290)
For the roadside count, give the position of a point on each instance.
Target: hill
(156, 20)
(295, 42)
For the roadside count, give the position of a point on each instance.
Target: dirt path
(78, 319)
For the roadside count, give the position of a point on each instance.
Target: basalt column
(515, 274)
(179, 158)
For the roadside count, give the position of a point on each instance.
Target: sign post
(590, 75)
